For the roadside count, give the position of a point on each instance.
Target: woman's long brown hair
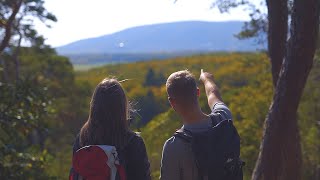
(108, 118)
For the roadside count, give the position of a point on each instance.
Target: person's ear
(198, 92)
(172, 103)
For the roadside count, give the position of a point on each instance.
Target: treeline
(246, 85)
(42, 111)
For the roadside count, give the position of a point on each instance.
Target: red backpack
(97, 162)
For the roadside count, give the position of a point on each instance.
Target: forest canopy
(246, 85)
(59, 98)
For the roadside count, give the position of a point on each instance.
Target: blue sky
(80, 19)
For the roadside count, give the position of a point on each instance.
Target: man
(178, 162)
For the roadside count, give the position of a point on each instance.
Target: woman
(108, 125)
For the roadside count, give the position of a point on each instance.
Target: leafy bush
(23, 110)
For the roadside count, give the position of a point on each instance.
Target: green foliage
(57, 99)
(246, 86)
(240, 79)
(23, 109)
(156, 133)
(44, 109)
(239, 76)
(152, 79)
(309, 122)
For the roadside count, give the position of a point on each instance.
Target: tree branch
(8, 26)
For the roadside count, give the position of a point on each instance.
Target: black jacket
(135, 155)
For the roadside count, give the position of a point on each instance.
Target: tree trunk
(280, 151)
(8, 26)
(277, 34)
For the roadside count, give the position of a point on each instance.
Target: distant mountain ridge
(166, 37)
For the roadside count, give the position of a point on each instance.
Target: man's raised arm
(211, 88)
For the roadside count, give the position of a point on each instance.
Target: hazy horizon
(107, 17)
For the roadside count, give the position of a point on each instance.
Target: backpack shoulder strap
(218, 116)
(199, 147)
(184, 134)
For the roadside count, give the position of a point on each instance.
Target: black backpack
(217, 151)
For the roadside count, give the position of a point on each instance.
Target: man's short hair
(182, 87)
